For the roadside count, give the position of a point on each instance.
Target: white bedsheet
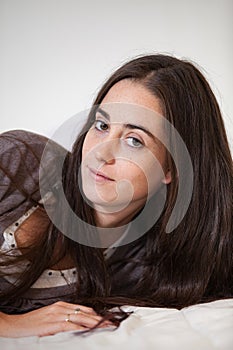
(199, 327)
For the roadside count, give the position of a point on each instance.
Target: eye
(100, 125)
(134, 142)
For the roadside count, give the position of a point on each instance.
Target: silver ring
(67, 319)
(76, 311)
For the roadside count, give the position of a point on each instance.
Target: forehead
(129, 91)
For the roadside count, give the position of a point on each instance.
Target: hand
(49, 320)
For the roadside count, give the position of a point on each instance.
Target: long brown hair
(194, 263)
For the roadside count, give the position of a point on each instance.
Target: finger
(61, 313)
(74, 307)
(85, 320)
(85, 309)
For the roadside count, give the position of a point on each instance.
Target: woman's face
(123, 161)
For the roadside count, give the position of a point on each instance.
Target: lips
(99, 176)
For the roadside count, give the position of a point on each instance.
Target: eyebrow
(129, 126)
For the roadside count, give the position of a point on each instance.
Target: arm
(50, 320)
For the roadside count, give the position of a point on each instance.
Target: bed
(206, 326)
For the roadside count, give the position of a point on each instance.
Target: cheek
(147, 178)
(88, 144)
(136, 177)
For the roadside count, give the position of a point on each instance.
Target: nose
(106, 152)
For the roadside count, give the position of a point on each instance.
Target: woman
(118, 166)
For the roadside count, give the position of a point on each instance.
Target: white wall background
(55, 54)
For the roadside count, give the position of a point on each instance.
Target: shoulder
(22, 135)
(20, 154)
(21, 138)
(20, 159)
(25, 148)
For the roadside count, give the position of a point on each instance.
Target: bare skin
(49, 320)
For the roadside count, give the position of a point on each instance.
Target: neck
(116, 221)
(104, 218)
